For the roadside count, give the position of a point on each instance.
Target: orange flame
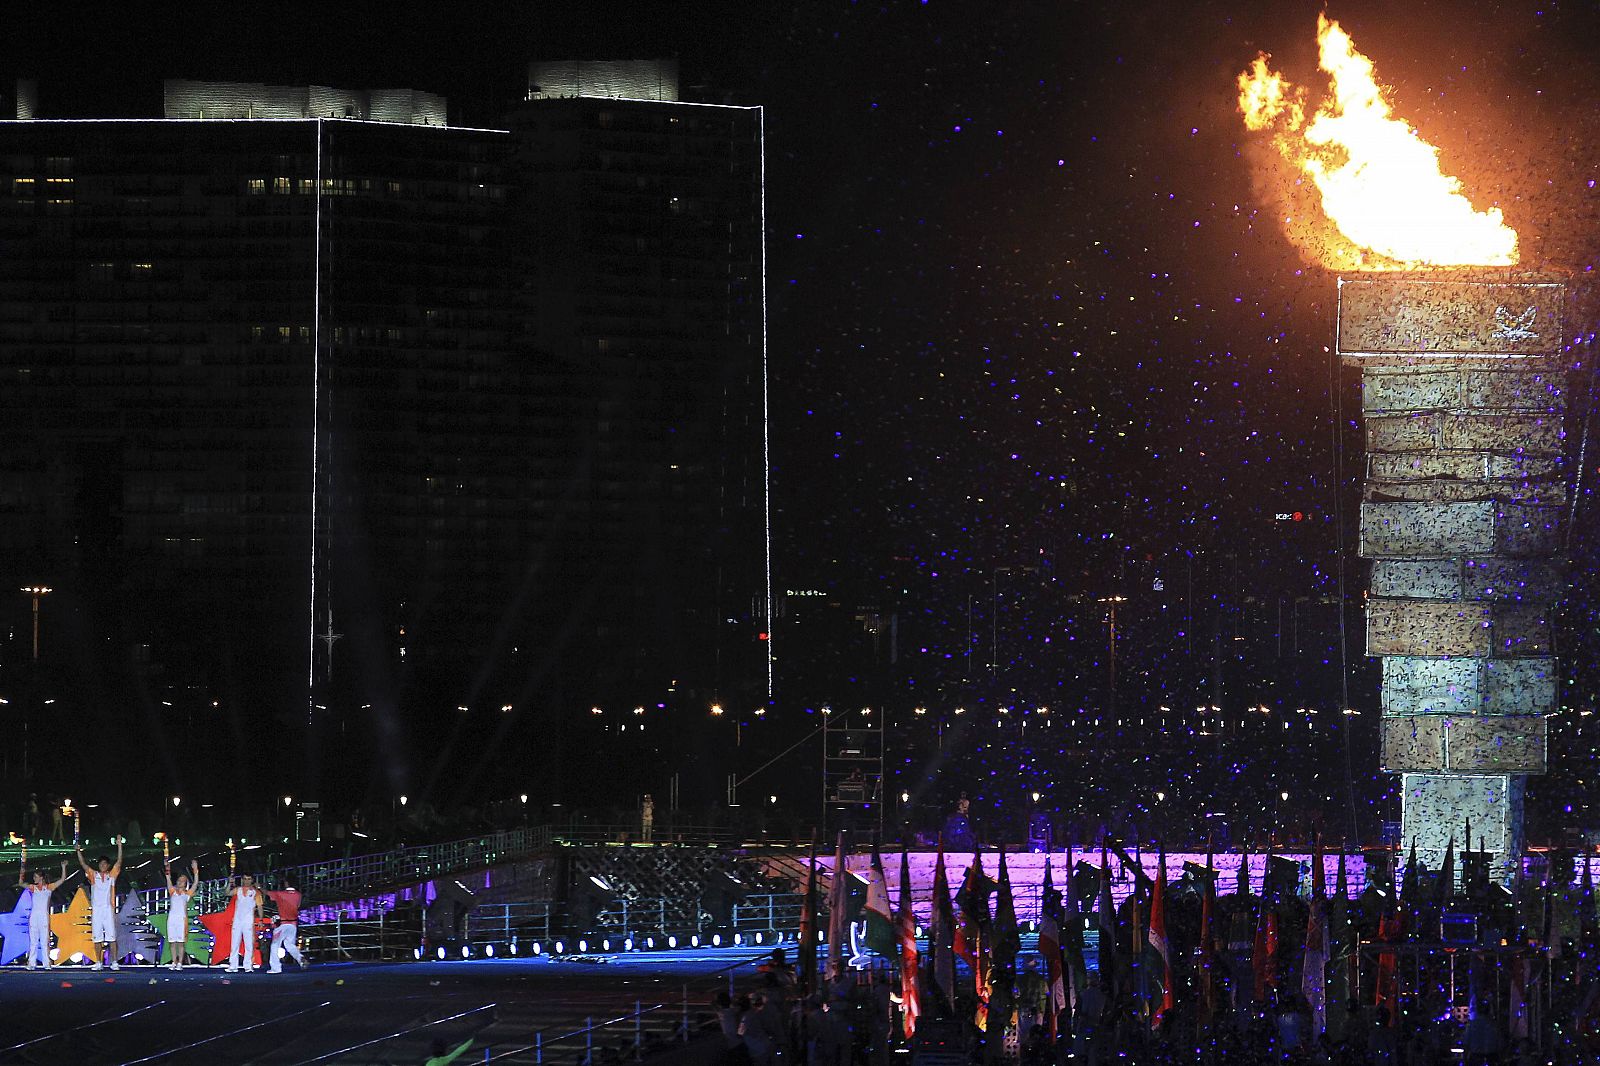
(1380, 182)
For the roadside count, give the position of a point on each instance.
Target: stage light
(489, 950)
(627, 945)
(649, 941)
(466, 951)
(758, 938)
(738, 939)
(538, 948)
(672, 941)
(561, 947)
(416, 953)
(441, 953)
(605, 945)
(716, 940)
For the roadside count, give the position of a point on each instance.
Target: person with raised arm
(248, 903)
(102, 878)
(39, 913)
(179, 893)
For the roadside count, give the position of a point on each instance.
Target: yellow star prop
(74, 931)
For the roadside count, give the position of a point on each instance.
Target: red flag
(910, 997)
(1388, 982)
(1050, 948)
(1158, 938)
(1264, 959)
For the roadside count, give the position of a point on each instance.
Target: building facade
(394, 445)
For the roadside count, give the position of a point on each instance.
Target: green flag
(877, 913)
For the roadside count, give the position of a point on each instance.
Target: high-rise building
(340, 429)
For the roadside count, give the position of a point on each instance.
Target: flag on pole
(1005, 942)
(1050, 948)
(881, 936)
(1158, 939)
(838, 914)
(1313, 969)
(1342, 987)
(1106, 923)
(1207, 949)
(941, 937)
(1447, 875)
(972, 921)
(1072, 942)
(910, 990)
(808, 926)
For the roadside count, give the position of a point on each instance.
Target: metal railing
(773, 912)
(384, 936)
(632, 833)
(503, 923)
(363, 872)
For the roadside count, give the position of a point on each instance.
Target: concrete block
(1403, 433)
(1528, 529)
(1391, 529)
(1516, 391)
(1417, 686)
(1471, 578)
(1519, 686)
(1424, 579)
(1402, 314)
(1401, 390)
(1417, 530)
(1442, 490)
(1521, 630)
(1427, 628)
(1435, 808)
(1413, 686)
(1537, 434)
(1491, 578)
(1460, 466)
(1414, 744)
(1495, 744)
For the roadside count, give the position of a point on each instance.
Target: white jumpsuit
(242, 939)
(39, 925)
(103, 909)
(178, 916)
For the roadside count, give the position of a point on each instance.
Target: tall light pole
(38, 592)
(1113, 601)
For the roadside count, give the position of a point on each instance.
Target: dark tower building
(338, 429)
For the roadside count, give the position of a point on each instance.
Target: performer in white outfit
(178, 896)
(103, 903)
(247, 907)
(39, 914)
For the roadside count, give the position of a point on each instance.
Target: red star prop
(220, 925)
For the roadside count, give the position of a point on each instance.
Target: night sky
(1028, 292)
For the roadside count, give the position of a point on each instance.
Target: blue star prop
(134, 933)
(14, 930)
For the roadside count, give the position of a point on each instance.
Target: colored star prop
(198, 940)
(74, 931)
(135, 937)
(220, 925)
(14, 930)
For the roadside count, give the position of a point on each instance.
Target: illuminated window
(21, 186)
(307, 186)
(280, 184)
(256, 186)
(142, 268)
(283, 333)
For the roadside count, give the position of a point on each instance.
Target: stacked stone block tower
(1462, 504)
